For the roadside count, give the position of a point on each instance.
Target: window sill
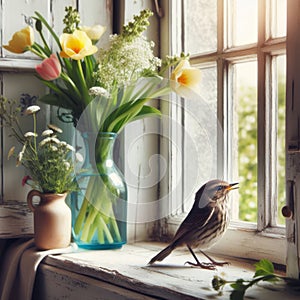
(124, 274)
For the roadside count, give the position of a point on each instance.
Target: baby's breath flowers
(49, 162)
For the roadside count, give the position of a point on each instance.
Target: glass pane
(200, 26)
(242, 22)
(245, 138)
(281, 87)
(200, 135)
(279, 18)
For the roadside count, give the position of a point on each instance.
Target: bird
(204, 225)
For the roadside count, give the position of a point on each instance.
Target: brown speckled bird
(204, 225)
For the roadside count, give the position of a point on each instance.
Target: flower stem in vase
(100, 220)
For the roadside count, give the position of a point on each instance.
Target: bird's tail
(161, 255)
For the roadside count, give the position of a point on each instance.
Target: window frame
(242, 239)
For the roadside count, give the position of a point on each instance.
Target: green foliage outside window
(247, 149)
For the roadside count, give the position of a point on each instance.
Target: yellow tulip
(21, 41)
(185, 79)
(76, 45)
(95, 32)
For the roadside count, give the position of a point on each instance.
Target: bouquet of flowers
(71, 69)
(49, 162)
(103, 92)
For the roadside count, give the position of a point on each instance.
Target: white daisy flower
(53, 148)
(55, 128)
(79, 157)
(47, 132)
(45, 141)
(32, 109)
(67, 165)
(30, 134)
(98, 91)
(71, 148)
(55, 140)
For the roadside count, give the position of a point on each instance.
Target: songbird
(204, 225)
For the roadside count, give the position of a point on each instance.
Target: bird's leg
(215, 263)
(198, 263)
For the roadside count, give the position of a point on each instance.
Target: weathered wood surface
(16, 220)
(127, 268)
(54, 283)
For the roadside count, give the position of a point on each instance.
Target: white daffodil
(94, 32)
(185, 79)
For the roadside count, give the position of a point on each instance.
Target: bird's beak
(232, 186)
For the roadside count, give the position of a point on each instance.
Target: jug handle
(30, 196)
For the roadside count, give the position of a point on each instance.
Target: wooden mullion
(293, 139)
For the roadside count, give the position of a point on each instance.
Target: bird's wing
(195, 220)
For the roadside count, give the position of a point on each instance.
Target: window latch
(288, 210)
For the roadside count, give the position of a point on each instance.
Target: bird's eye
(220, 188)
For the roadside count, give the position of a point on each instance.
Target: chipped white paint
(16, 220)
(97, 274)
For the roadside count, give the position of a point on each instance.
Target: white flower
(19, 158)
(98, 91)
(125, 61)
(32, 109)
(67, 165)
(55, 140)
(45, 141)
(47, 132)
(54, 128)
(53, 148)
(94, 32)
(79, 157)
(71, 148)
(30, 134)
(63, 143)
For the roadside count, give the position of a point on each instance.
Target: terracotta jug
(52, 220)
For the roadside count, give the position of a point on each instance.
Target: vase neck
(100, 145)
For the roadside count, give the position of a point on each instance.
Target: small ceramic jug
(52, 220)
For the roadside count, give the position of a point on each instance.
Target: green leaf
(42, 19)
(147, 111)
(263, 267)
(239, 285)
(56, 100)
(237, 295)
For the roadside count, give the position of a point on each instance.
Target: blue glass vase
(99, 207)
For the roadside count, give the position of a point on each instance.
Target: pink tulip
(50, 68)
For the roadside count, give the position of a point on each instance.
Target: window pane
(200, 139)
(245, 137)
(281, 87)
(279, 12)
(200, 26)
(242, 22)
